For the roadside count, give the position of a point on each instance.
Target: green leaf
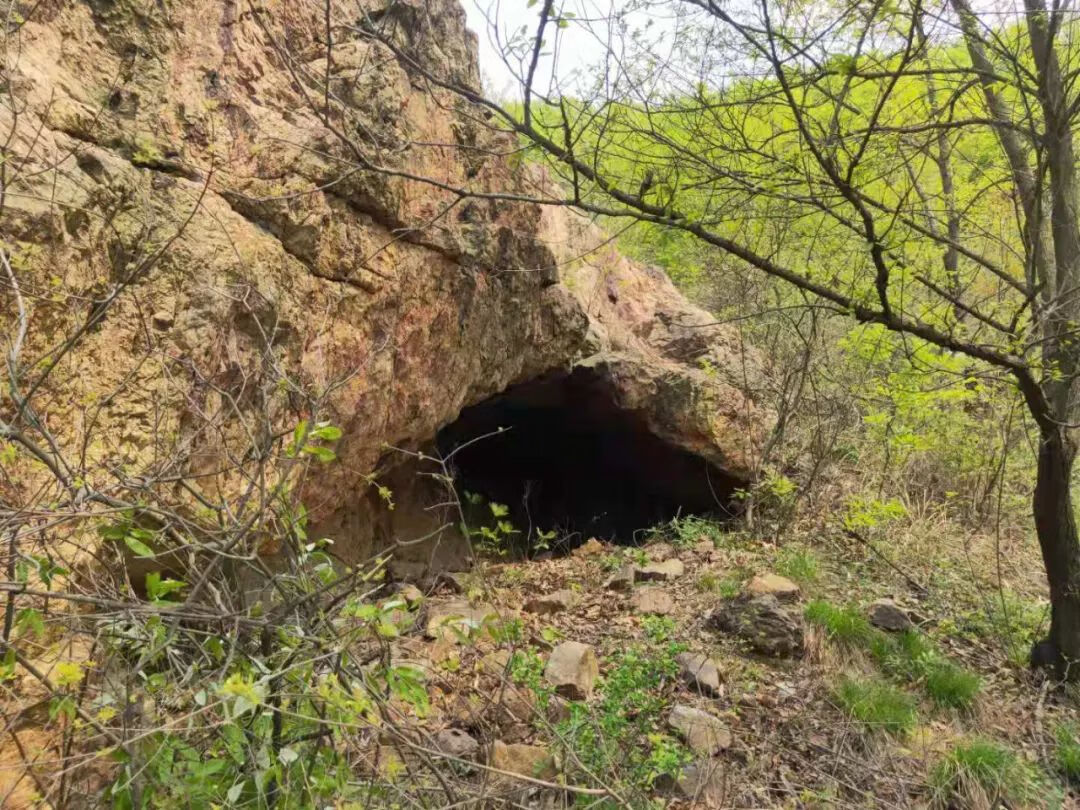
(29, 621)
(326, 432)
(323, 454)
(138, 548)
(157, 588)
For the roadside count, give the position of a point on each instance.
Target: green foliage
(729, 585)
(949, 685)
(1067, 751)
(311, 440)
(844, 625)
(984, 773)
(1015, 622)
(908, 656)
(621, 735)
(876, 704)
(799, 564)
(683, 532)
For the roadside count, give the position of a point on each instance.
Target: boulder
(572, 669)
(700, 672)
(534, 761)
(888, 615)
(456, 743)
(660, 571)
(554, 602)
(621, 580)
(704, 733)
(450, 620)
(660, 551)
(652, 600)
(411, 594)
(589, 548)
(773, 585)
(769, 627)
(704, 783)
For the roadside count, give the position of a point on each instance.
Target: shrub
(686, 531)
(982, 773)
(617, 737)
(877, 704)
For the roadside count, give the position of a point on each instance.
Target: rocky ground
(751, 695)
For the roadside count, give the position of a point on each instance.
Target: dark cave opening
(569, 459)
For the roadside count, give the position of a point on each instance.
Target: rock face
(267, 258)
(769, 627)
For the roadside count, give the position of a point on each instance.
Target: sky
(579, 47)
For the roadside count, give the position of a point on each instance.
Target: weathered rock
(621, 580)
(283, 256)
(660, 571)
(660, 551)
(554, 602)
(495, 662)
(455, 581)
(652, 600)
(336, 272)
(589, 548)
(412, 595)
(456, 743)
(888, 615)
(163, 320)
(703, 732)
(527, 760)
(572, 669)
(700, 672)
(704, 783)
(449, 620)
(773, 585)
(704, 547)
(769, 627)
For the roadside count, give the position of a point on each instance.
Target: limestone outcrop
(238, 245)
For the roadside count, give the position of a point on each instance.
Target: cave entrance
(568, 459)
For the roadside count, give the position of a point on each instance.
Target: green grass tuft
(877, 705)
(1067, 751)
(728, 586)
(799, 564)
(845, 625)
(983, 773)
(951, 686)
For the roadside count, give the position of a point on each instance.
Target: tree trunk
(1055, 525)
